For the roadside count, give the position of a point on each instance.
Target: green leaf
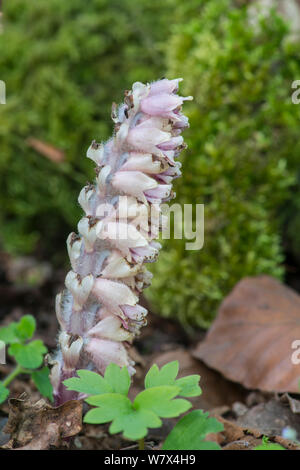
(270, 446)
(29, 356)
(117, 378)
(4, 392)
(26, 327)
(110, 406)
(167, 376)
(118, 409)
(160, 401)
(190, 431)
(189, 386)
(42, 382)
(88, 382)
(135, 424)
(266, 445)
(18, 332)
(8, 334)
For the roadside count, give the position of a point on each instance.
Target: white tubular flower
(70, 348)
(87, 227)
(98, 312)
(96, 152)
(74, 245)
(110, 328)
(85, 198)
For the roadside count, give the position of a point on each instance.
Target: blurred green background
(65, 62)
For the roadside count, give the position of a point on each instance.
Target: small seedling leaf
(42, 382)
(8, 334)
(135, 424)
(266, 445)
(160, 400)
(190, 431)
(89, 383)
(4, 392)
(29, 356)
(164, 376)
(111, 405)
(118, 408)
(189, 386)
(26, 327)
(117, 378)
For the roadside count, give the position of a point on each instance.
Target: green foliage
(242, 158)
(115, 380)
(266, 445)
(133, 419)
(125, 418)
(158, 400)
(190, 431)
(42, 382)
(188, 386)
(63, 64)
(292, 223)
(17, 332)
(29, 355)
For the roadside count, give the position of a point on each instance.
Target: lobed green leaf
(89, 383)
(18, 332)
(189, 385)
(160, 400)
(26, 327)
(29, 356)
(117, 378)
(190, 431)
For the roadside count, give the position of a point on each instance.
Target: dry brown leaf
(250, 341)
(38, 426)
(293, 403)
(54, 154)
(239, 437)
(270, 418)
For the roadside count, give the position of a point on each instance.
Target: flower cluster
(98, 312)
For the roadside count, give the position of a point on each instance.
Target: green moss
(243, 150)
(63, 64)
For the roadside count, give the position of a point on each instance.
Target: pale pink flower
(98, 312)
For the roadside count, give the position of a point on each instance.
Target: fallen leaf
(238, 437)
(270, 418)
(250, 341)
(293, 403)
(38, 426)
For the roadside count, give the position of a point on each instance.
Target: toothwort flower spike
(98, 312)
